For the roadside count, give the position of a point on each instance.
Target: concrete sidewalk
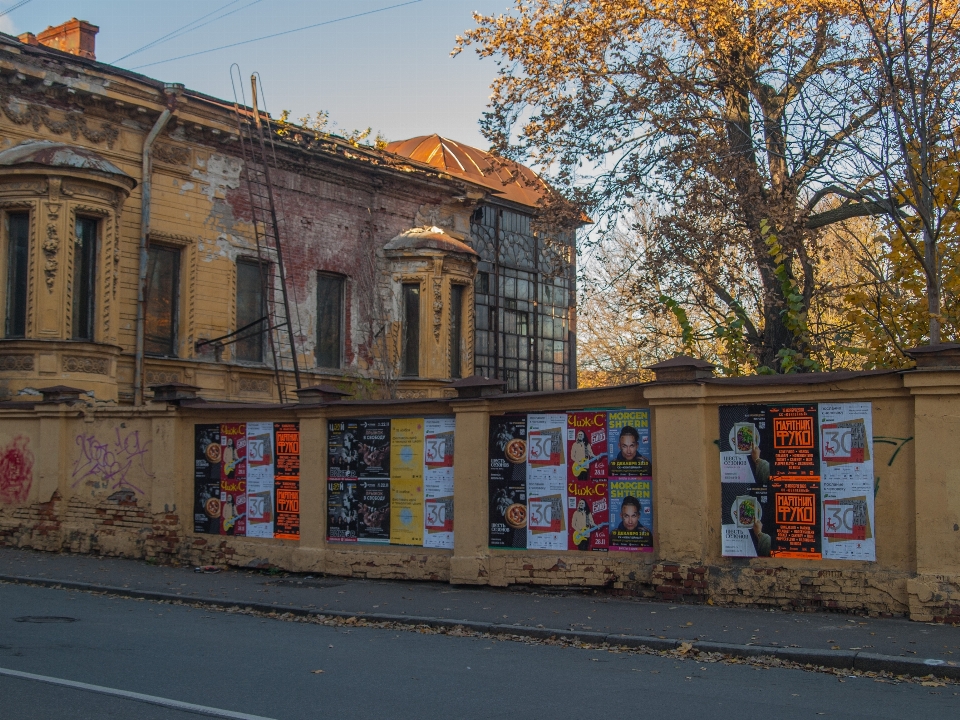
(820, 638)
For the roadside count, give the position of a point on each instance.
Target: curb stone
(837, 659)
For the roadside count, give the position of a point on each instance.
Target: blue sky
(390, 70)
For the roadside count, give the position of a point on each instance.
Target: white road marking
(139, 697)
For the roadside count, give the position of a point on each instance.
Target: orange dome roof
(508, 179)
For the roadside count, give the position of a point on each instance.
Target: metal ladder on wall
(257, 150)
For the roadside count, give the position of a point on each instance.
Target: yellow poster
(406, 512)
(406, 449)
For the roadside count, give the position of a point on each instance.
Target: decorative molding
(437, 307)
(172, 154)
(51, 245)
(74, 123)
(85, 364)
(16, 362)
(258, 385)
(24, 187)
(80, 188)
(160, 377)
(470, 331)
(171, 238)
(411, 394)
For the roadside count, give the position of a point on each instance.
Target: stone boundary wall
(119, 481)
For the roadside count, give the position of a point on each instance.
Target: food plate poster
(846, 477)
(631, 514)
(628, 441)
(770, 481)
(206, 479)
(233, 479)
(587, 502)
(547, 482)
(260, 480)
(438, 450)
(287, 480)
(508, 481)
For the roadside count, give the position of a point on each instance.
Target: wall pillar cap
(61, 394)
(319, 394)
(682, 368)
(477, 386)
(945, 356)
(174, 392)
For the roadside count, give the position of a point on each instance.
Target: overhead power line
(285, 32)
(14, 7)
(189, 27)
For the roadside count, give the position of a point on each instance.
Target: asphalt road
(264, 667)
(534, 607)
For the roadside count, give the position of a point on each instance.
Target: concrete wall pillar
(469, 564)
(681, 446)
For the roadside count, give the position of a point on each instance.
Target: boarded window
(456, 331)
(329, 320)
(18, 258)
(163, 283)
(84, 277)
(250, 312)
(411, 330)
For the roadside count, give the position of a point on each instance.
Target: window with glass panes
(524, 294)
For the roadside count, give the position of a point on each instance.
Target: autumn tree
(736, 118)
(912, 159)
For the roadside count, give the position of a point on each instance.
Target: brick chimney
(77, 37)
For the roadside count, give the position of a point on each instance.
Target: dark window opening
(18, 258)
(84, 277)
(411, 331)
(162, 289)
(483, 283)
(250, 308)
(456, 331)
(329, 320)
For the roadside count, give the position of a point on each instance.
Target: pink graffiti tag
(16, 471)
(110, 461)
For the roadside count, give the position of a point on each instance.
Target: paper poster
(406, 512)
(438, 444)
(508, 481)
(547, 482)
(343, 449)
(628, 442)
(206, 479)
(373, 449)
(586, 446)
(846, 480)
(287, 480)
(260, 479)
(438, 450)
(631, 514)
(233, 479)
(770, 481)
(373, 525)
(588, 515)
(406, 449)
(342, 511)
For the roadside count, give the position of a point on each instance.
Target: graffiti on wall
(109, 464)
(16, 471)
